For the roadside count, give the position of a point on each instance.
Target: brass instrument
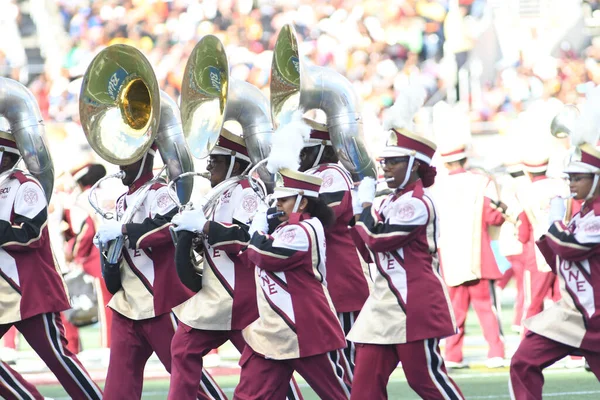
(19, 107)
(123, 113)
(296, 85)
(209, 97)
(562, 124)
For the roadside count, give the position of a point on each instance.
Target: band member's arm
(524, 228)
(30, 218)
(231, 238)
(571, 246)
(288, 251)
(154, 230)
(493, 212)
(407, 219)
(336, 191)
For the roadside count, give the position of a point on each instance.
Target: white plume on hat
(402, 113)
(287, 142)
(586, 126)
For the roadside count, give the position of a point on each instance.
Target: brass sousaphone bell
(296, 85)
(123, 113)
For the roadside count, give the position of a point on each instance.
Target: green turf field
(561, 384)
(476, 383)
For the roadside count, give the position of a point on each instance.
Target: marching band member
(345, 277)
(398, 323)
(143, 285)
(297, 324)
(80, 250)
(33, 291)
(572, 325)
(470, 211)
(535, 199)
(226, 302)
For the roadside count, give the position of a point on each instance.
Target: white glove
(108, 231)
(259, 222)
(557, 210)
(366, 190)
(357, 207)
(189, 220)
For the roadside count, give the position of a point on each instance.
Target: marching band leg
(46, 335)
(425, 370)
(188, 347)
(374, 365)
(261, 379)
(238, 341)
(459, 296)
(12, 384)
(533, 355)
(14, 387)
(129, 353)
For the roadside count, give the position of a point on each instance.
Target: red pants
(423, 366)
(262, 379)
(133, 342)
(533, 355)
(188, 347)
(481, 296)
(538, 285)
(45, 334)
(10, 338)
(516, 271)
(104, 315)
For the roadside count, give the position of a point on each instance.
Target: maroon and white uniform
(539, 279)
(227, 301)
(398, 322)
(571, 325)
(143, 322)
(32, 291)
(468, 215)
(298, 325)
(345, 277)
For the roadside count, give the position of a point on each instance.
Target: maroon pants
(422, 363)
(132, 345)
(533, 355)
(188, 347)
(344, 360)
(45, 334)
(481, 297)
(263, 379)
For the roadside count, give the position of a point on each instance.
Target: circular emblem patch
(327, 181)
(287, 236)
(592, 228)
(163, 200)
(30, 196)
(249, 203)
(406, 211)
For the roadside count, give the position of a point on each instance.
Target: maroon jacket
(30, 281)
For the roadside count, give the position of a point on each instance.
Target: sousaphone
(297, 85)
(123, 113)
